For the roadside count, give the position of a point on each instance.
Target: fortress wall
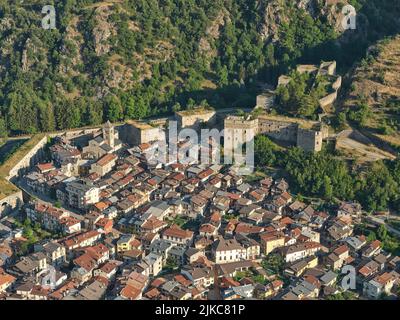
(337, 84)
(328, 100)
(195, 120)
(33, 157)
(280, 130)
(134, 135)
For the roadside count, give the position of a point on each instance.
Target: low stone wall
(74, 133)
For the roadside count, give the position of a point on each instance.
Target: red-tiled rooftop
(106, 159)
(177, 232)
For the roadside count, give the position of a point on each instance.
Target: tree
(176, 107)
(190, 104)
(223, 77)
(171, 264)
(382, 232)
(371, 236)
(274, 263)
(3, 129)
(360, 114)
(378, 188)
(265, 151)
(240, 112)
(327, 188)
(113, 108)
(46, 117)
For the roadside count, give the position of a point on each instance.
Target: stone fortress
(139, 132)
(305, 134)
(266, 100)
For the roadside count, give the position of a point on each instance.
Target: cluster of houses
(124, 228)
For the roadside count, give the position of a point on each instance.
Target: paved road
(47, 200)
(380, 221)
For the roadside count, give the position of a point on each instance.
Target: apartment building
(81, 196)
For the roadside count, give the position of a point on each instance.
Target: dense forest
(327, 176)
(123, 59)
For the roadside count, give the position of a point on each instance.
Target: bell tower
(109, 134)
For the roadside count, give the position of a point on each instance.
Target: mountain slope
(125, 59)
(374, 99)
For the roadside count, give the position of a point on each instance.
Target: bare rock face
(307, 5)
(72, 46)
(277, 12)
(273, 17)
(118, 75)
(213, 33)
(103, 31)
(28, 55)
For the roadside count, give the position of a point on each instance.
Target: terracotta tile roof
(233, 196)
(152, 294)
(103, 161)
(177, 232)
(182, 280)
(85, 261)
(286, 196)
(286, 221)
(304, 246)
(207, 228)
(45, 166)
(144, 146)
(81, 238)
(313, 280)
(215, 217)
(340, 250)
(6, 278)
(130, 292)
(198, 200)
(108, 267)
(104, 222)
(384, 278)
(277, 284)
(266, 237)
(177, 176)
(97, 251)
(229, 282)
(295, 232)
(101, 205)
(205, 173)
(158, 282)
(256, 195)
(247, 228)
(59, 293)
(153, 223)
(375, 244)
